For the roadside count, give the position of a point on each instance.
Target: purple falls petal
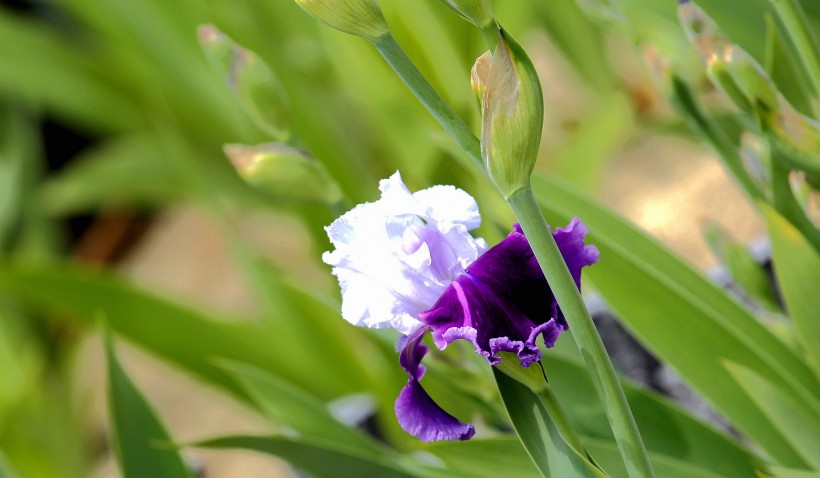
(502, 303)
(416, 411)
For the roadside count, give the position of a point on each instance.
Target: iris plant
(408, 262)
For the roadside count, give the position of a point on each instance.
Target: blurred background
(112, 169)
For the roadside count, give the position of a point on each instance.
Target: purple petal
(502, 303)
(416, 412)
(570, 242)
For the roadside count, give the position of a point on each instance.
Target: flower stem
(525, 208)
(428, 96)
(802, 37)
(491, 34)
(583, 329)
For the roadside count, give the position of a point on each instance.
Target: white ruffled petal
(449, 204)
(395, 257)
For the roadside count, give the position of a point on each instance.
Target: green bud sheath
(357, 17)
(512, 112)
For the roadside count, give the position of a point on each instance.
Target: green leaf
(783, 71)
(321, 460)
(142, 444)
(40, 65)
(800, 426)
(606, 454)
(287, 405)
(779, 472)
(127, 170)
(667, 430)
(504, 456)
(674, 311)
(746, 272)
(581, 42)
(5, 469)
(15, 139)
(602, 132)
(487, 457)
(797, 268)
(538, 433)
(164, 328)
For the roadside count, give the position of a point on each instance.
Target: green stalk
(552, 263)
(802, 37)
(583, 329)
(429, 97)
(491, 34)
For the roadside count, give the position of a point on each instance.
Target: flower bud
(729, 67)
(282, 171)
(796, 135)
(512, 111)
(357, 17)
(256, 87)
(477, 12)
(701, 30)
(749, 77)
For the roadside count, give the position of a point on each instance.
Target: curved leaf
(547, 449)
(797, 268)
(142, 444)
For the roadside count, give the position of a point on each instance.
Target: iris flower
(408, 262)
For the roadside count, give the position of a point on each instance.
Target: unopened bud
(512, 112)
(282, 171)
(701, 30)
(256, 87)
(722, 78)
(358, 17)
(750, 77)
(796, 135)
(729, 67)
(477, 12)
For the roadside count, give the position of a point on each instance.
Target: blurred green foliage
(133, 78)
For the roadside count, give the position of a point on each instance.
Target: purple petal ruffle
(416, 412)
(501, 303)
